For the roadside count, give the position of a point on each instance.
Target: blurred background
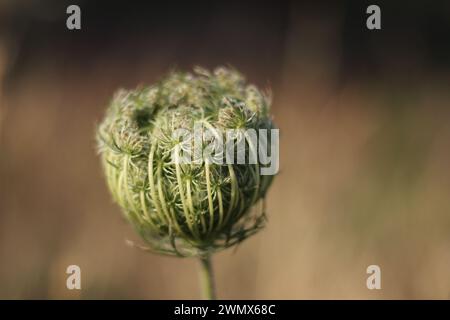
(365, 146)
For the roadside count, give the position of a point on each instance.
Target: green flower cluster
(185, 209)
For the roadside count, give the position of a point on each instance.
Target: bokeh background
(365, 146)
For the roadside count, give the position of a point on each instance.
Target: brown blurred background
(365, 146)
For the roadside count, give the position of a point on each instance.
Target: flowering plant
(188, 208)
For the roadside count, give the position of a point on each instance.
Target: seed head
(185, 209)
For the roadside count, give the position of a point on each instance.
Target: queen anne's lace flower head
(186, 209)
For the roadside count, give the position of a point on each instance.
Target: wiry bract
(185, 209)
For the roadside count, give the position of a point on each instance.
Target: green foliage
(184, 209)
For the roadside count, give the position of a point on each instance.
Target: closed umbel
(186, 209)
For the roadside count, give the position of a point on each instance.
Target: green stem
(206, 278)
